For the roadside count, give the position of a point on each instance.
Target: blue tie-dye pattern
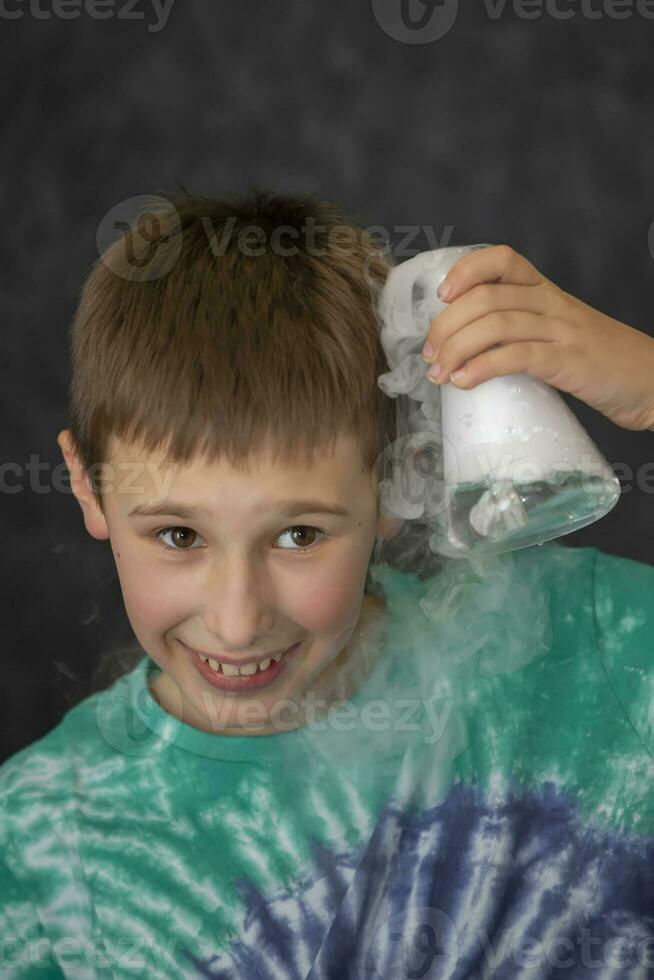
(401, 907)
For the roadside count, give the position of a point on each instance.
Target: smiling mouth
(245, 669)
(257, 676)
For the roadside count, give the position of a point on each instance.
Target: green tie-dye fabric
(500, 825)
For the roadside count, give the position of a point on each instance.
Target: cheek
(149, 598)
(148, 609)
(330, 603)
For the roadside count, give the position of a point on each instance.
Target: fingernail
(434, 371)
(445, 289)
(428, 351)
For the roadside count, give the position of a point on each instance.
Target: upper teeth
(230, 670)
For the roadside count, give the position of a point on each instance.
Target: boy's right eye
(182, 534)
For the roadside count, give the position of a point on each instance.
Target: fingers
(498, 263)
(506, 330)
(478, 302)
(540, 360)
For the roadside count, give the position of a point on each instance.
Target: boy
(231, 402)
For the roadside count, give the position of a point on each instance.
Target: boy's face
(241, 577)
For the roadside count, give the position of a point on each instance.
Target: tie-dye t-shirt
(493, 818)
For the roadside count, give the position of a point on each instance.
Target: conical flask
(518, 468)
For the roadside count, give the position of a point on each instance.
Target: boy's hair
(245, 341)
(249, 341)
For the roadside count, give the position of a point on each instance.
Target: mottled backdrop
(528, 124)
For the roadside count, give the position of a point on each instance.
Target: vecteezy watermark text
(138, 478)
(413, 942)
(95, 9)
(423, 941)
(133, 730)
(426, 21)
(318, 714)
(128, 953)
(149, 251)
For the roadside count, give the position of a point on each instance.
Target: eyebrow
(289, 508)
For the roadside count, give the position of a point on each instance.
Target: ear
(94, 519)
(388, 527)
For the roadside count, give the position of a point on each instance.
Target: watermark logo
(415, 21)
(418, 942)
(144, 249)
(129, 726)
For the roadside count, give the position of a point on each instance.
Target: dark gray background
(536, 132)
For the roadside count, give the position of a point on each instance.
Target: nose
(237, 604)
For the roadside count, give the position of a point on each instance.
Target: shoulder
(34, 790)
(33, 770)
(599, 665)
(623, 603)
(47, 787)
(43, 789)
(48, 772)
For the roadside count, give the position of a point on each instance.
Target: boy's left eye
(187, 532)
